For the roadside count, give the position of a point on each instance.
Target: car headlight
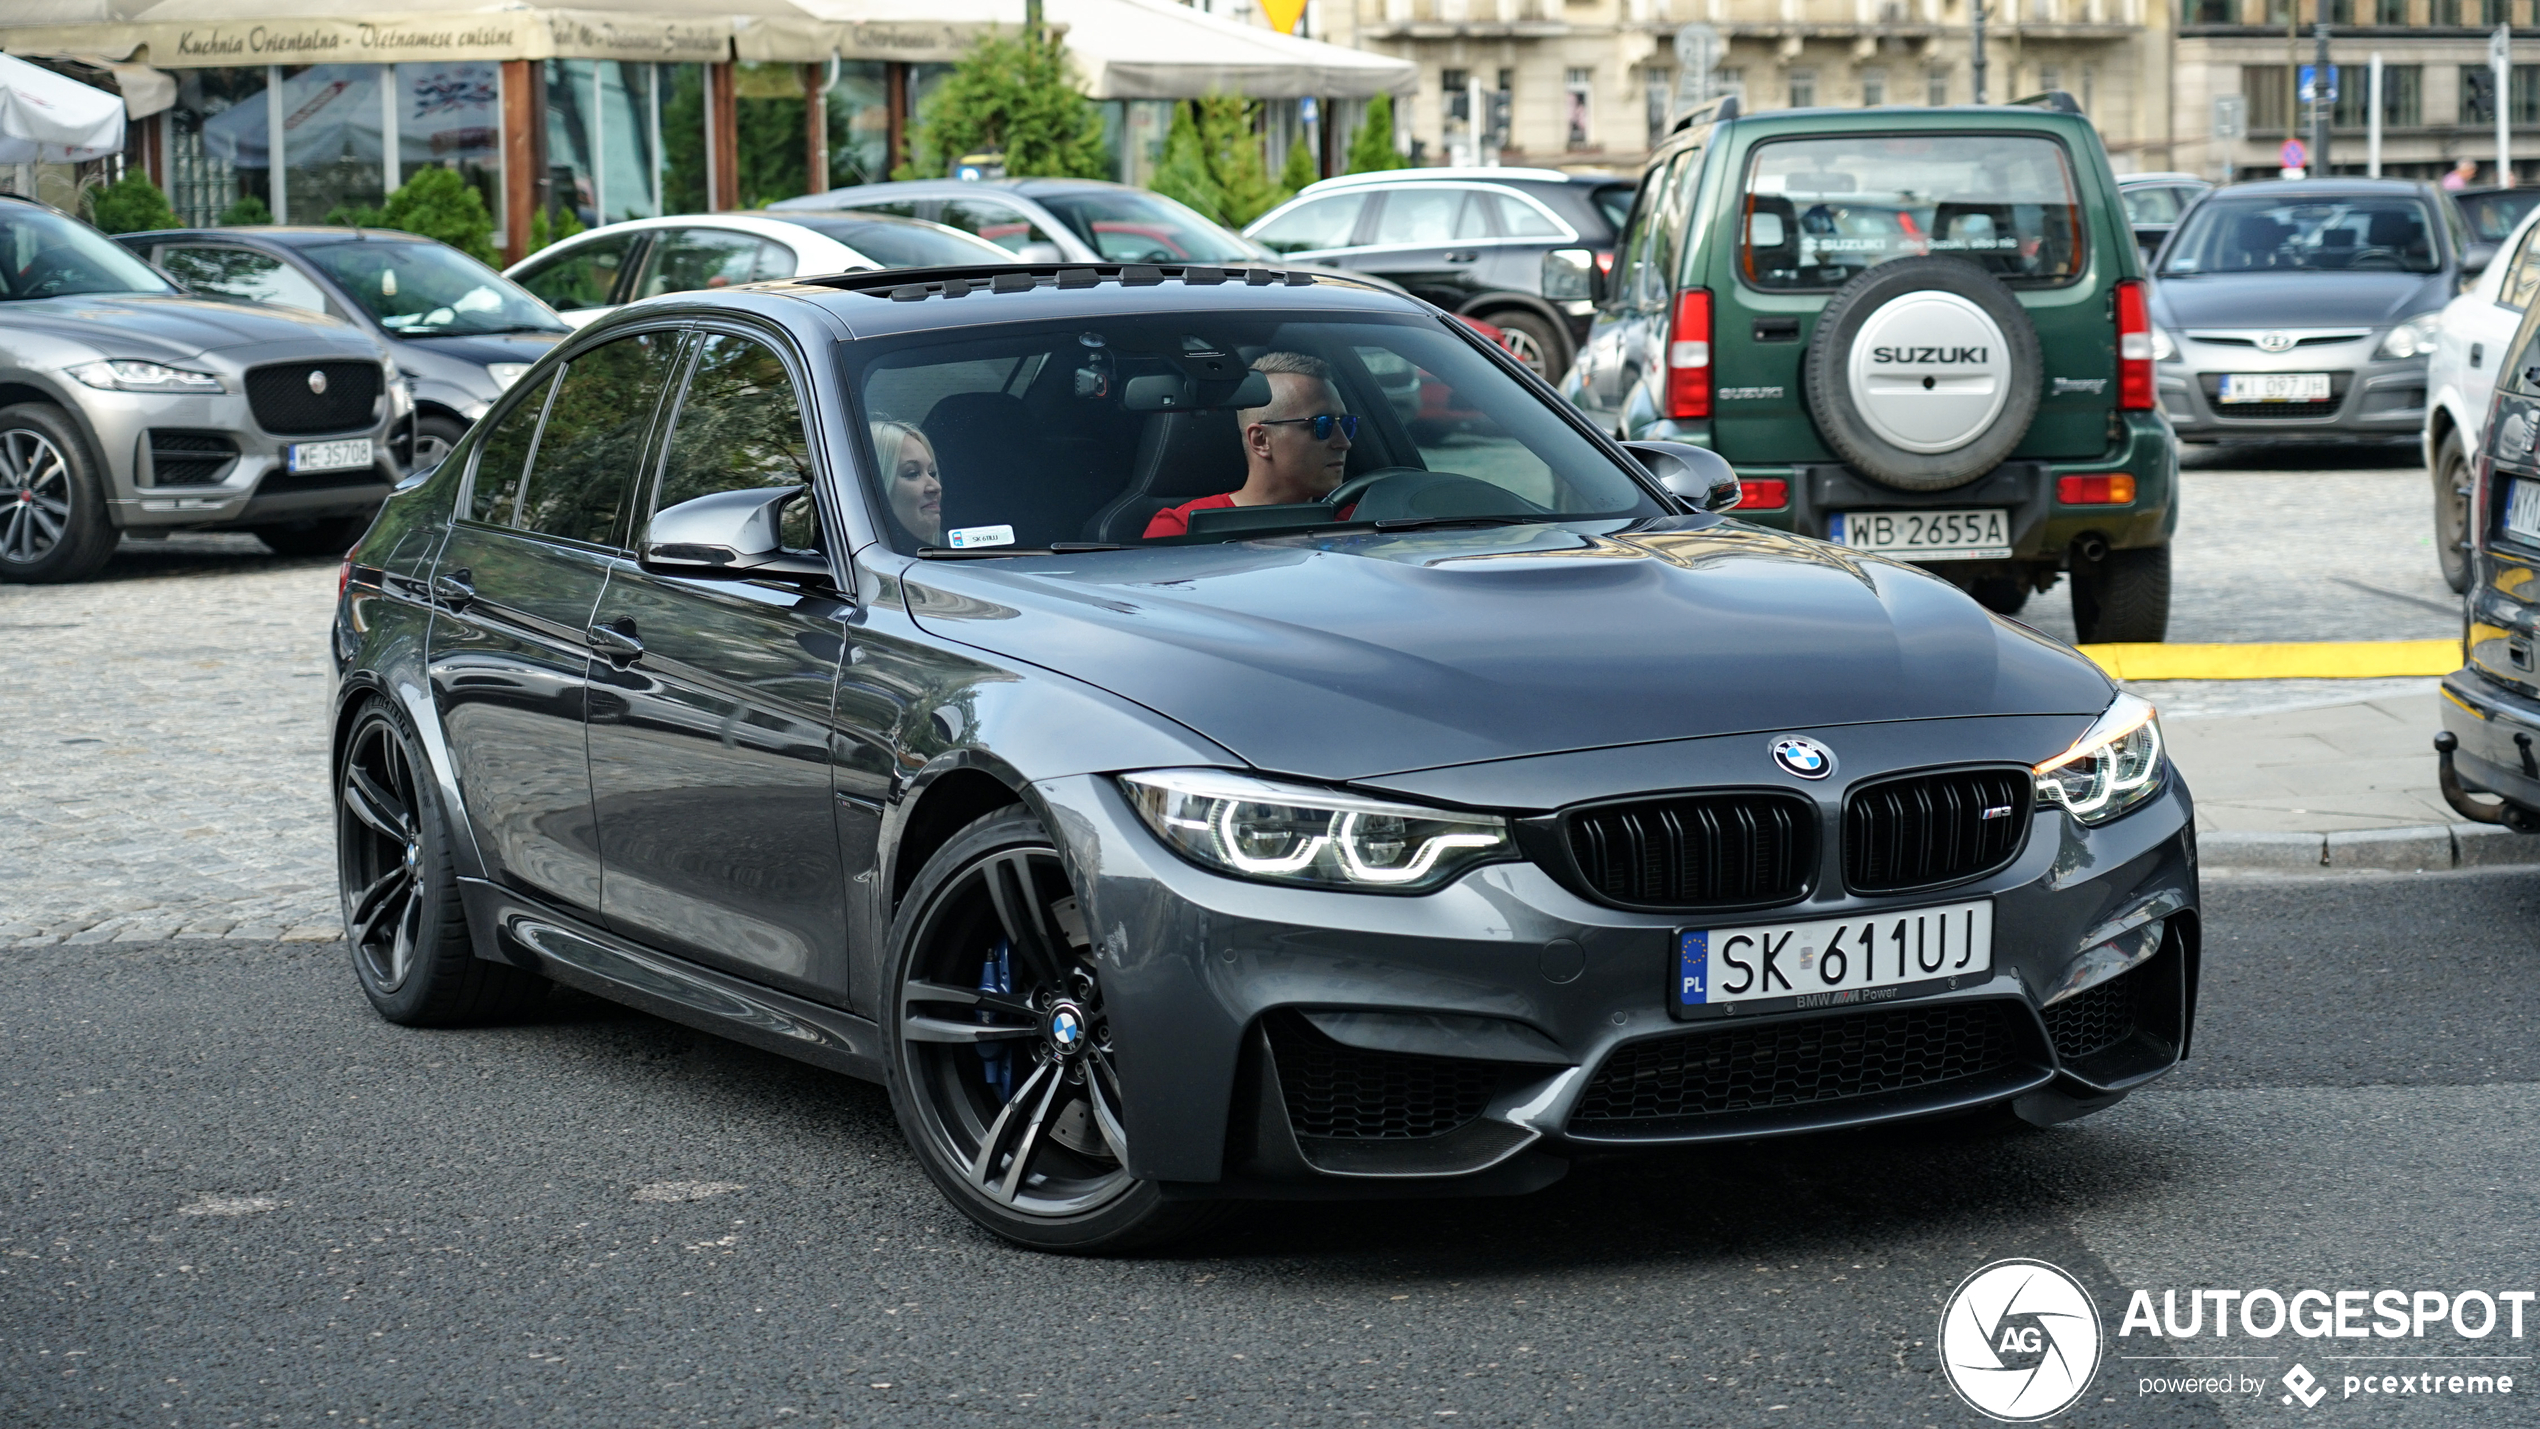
(2163, 349)
(2115, 765)
(122, 376)
(1293, 833)
(505, 373)
(2413, 338)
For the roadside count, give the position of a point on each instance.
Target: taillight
(343, 577)
(1689, 356)
(2135, 392)
(2113, 489)
(1769, 494)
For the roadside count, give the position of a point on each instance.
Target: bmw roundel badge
(1805, 757)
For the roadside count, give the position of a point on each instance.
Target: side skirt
(514, 929)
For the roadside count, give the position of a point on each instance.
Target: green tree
(683, 141)
(1212, 161)
(132, 204)
(1011, 94)
(1300, 170)
(1371, 148)
(435, 203)
(247, 212)
(568, 223)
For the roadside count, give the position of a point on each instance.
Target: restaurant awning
(198, 34)
(48, 118)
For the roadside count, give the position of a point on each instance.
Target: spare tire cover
(1924, 373)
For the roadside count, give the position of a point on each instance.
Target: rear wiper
(978, 553)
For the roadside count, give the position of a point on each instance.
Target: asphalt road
(229, 1195)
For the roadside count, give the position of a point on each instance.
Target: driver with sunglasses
(1294, 449)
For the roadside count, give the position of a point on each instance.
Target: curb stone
(2402, 850)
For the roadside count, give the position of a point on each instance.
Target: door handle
(1461, 255)
(453, 589)
(617, 643)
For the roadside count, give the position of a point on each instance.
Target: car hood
(2371, 299)
(148, 327)
(1348, 658)
(480, 349)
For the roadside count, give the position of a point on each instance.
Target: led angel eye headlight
(1293, 833)
(2114, 766)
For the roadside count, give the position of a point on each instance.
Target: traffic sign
(2308, 74)
(2231, 116)
(2294, 154)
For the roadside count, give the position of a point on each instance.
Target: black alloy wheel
(53, 524)
(1003, 1071)
(402, 916)
(2451, 511)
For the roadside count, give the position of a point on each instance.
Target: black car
(460, 331)
(1510, 247)
(883, 670)
(2491, 705)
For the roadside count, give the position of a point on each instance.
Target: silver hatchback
(127, 406)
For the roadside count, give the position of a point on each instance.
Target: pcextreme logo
(2019, 1340)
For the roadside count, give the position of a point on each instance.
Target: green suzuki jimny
(1919, 332)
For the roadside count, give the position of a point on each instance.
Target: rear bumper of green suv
(2043, 529)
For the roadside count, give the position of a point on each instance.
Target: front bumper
(137, 436)
(2373, 397)
(1510, 977)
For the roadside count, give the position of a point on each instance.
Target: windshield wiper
(476, 331)
(979, 553)
(1430, 523)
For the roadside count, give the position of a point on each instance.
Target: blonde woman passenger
(913, 481)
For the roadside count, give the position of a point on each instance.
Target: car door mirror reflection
(728, 535)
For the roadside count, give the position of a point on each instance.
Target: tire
(434, 436)
(400, 893)
(2123, 597)
(329, 536)
(2451, 511)
(53, 522)
(1534, 342)
(1023, 1133)
(1964, 300)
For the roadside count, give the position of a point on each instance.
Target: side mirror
(1039, 253)
(1569, 274)
(2475, 258)
(1697, 476)
(727, 535)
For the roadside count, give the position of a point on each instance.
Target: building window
(2211, 12)
(1729, 80)
(1658, 94)
(2264, 87)
(1455, 88)
(2049, 77)
(2525, 95)
(2402, 96)
(1936, 86)
(1578, 85)
(1873, 86)
(2340, 12)
(1803, 88)
(2089, 89)
(2390, 12)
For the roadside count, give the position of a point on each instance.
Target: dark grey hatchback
(1075, 697)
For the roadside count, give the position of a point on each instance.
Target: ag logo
(1803, 756)
(2019, 1340)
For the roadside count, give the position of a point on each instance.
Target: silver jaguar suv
(126, 405)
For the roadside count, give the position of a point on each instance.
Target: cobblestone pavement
(164, 772)
(163, 775)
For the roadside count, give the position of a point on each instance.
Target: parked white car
(591, 274)
(2460, 379)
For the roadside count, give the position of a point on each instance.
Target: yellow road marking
(2308, 660)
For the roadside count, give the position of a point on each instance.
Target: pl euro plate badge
(1833, 962)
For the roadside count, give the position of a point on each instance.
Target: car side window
(1649, 280)
(1004, 225)
(504, 455)
(2522, 278)
(584, 276)
(740, 428)
(1314, 225)
(1631, 249)
(218, 270)
(684, 260)
(1520, 219)
(1431, 214)
(593, 441)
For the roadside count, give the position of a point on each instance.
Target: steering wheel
(1347, 494)
(2376, 258)
(46, 268)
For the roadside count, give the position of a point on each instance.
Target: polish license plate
(1925, 535)
(330, 456)
(1833, 961)
(2522, 511)
(2275, 387)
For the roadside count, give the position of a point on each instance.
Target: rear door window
(1431, 214)
(584, 276)
(503, 456)
(1314, 226)
(1002, 224)
(592, 445)
(1520, 219)
(1817, 212)
(687, 259)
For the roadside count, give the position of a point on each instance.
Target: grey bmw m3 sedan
(1076, 697)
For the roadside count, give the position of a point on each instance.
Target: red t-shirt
(1176, 520)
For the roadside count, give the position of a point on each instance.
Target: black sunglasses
(1322, 425)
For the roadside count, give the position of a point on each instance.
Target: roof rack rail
(909, 285)
(2055, 99)
(1711, 111)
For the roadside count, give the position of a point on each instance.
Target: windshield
(1192, 428)
(1820, 211)
(2492, 216)
(1132, 226)
(2256, 235)
(432, 290)
(44, 255)
(909, 245)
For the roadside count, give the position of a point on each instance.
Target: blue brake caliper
(996, 974)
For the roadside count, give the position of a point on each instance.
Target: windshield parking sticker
(970, 536)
